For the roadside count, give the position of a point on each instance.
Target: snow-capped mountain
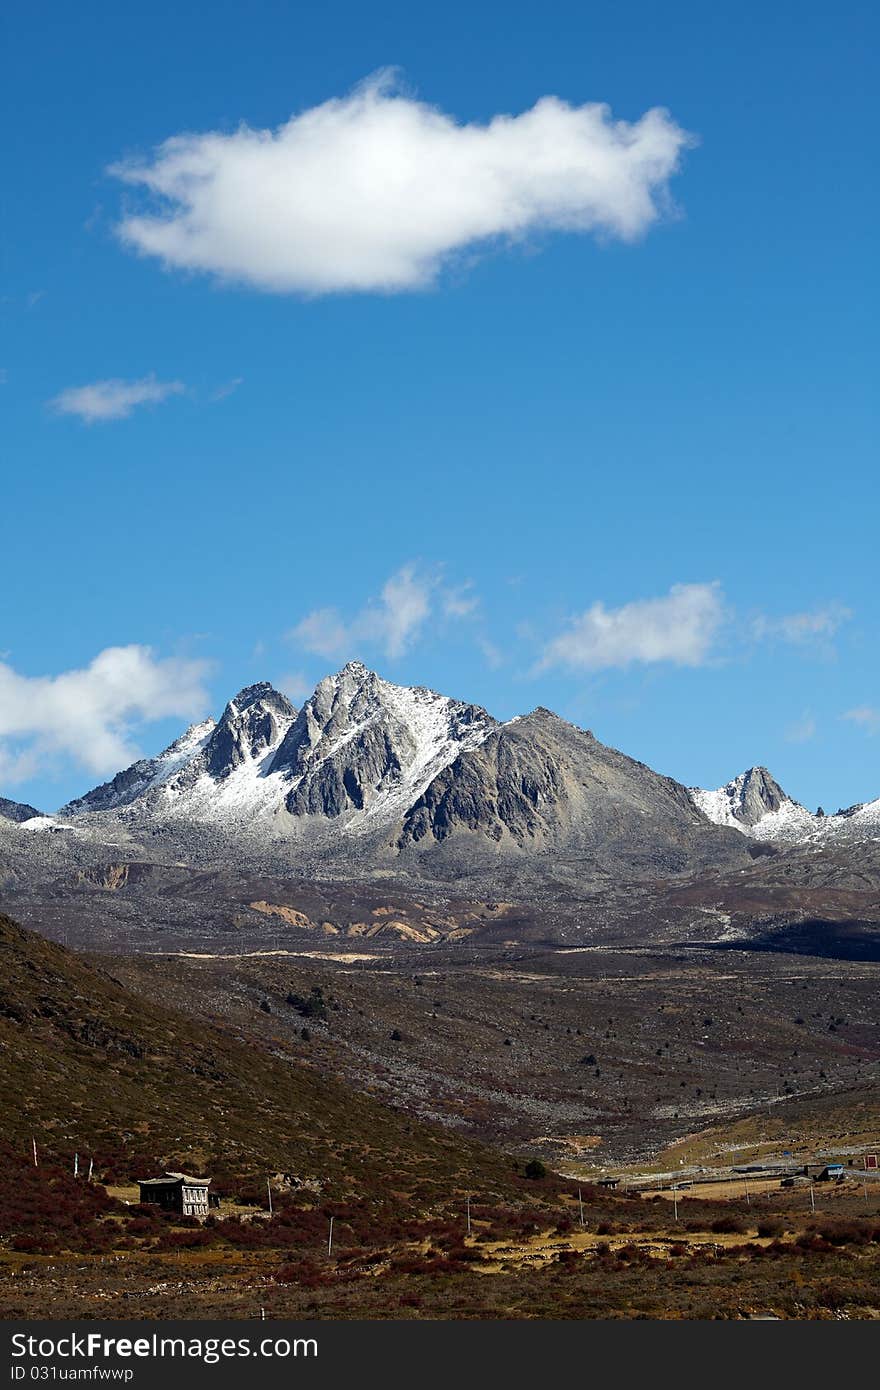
(367, 772)
(755, 804)
(362, 744)
(211, 772)
(360, 751)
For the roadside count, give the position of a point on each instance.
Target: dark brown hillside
(85, 1065)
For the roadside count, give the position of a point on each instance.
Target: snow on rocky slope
(359, 752)
(364, 758)
(755, 804)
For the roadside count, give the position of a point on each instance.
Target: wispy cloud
(113, 399)
(90, 715)
(226, 389)
(461, 602)
(680, 627)
(391, 622)
(375, 191)
(816, 624)
(867, 717)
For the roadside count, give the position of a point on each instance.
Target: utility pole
(269, 1190)
(812, 1199)
(675, 1201)
(76, 1165)
(34, 1142)
(330, 1238)
(581, 1204)
(469, 1213)
(91, 1166)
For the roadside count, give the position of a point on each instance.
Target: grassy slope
(86, 1065)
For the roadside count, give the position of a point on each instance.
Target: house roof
(174, 1180)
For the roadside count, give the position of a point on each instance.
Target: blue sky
(602, 441)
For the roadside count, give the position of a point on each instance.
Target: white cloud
(376, 191)
(679, 627)
(90, 715)
(800, 628)
(391, 622)
(113, 399)
(866, 716)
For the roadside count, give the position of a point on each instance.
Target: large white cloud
(90, 715)
(113, 399)
(376, 191)
(680, 627)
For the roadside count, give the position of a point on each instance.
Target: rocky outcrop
(17, 811)
(250, 725)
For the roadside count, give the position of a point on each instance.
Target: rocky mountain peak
(754, 803)
(262, 692)
(757, 792)
(360, 740)
(17, 811)
(252, 724)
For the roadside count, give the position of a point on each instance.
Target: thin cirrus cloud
(113, 399)
(391, 622)
(90, 715)
(377, 192)
(866, 717)
(679, 627)
(812, 625)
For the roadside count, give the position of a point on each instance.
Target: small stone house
(177, 1192)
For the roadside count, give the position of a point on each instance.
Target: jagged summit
(367, 773)
(359, 745)
(756, 804)
(252, 724)
(360, 742)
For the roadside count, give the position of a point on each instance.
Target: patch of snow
(43, 825)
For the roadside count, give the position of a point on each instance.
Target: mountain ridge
(756, 805)
(369, 777)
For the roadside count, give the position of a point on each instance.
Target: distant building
(178, 1192)
(831, 1172)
